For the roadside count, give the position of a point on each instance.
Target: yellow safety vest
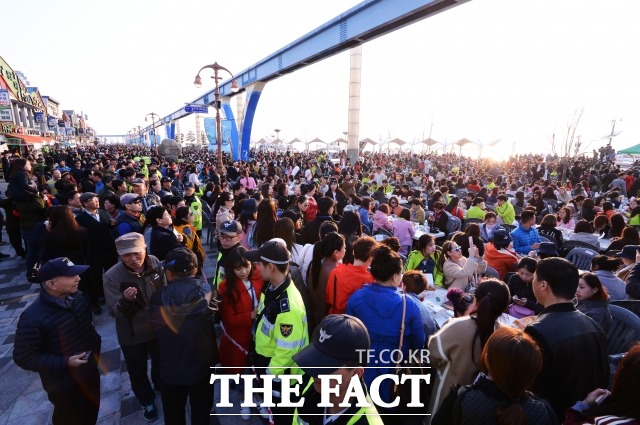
(280, 340)
(370, 413)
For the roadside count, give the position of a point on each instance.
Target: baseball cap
(189, 185)
(181, 260)
(249, 206)
(273, 251)
(231, 226)
(129, 198)
(59, 267)
(165, 179)
(629, 252)
(338, 340)
(87, 196)
(130, 242)
(501, 236)
(138, 181)
(550, 249)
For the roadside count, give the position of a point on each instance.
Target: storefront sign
(4, 98)
(29, 95)
(61, 123)
(70, 131)
(38, 116)
(6, 114)
(7, 128)
(34, 132)
(52, 122)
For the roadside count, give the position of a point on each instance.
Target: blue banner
(210, 131)
(38, 117)
(233, 129)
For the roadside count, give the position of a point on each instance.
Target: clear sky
(488, 69)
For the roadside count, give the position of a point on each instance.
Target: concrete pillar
(178, 133)
(198, 138)
(353, 147)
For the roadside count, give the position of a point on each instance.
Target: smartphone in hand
(85, 356)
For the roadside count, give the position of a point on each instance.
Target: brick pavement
(22, 399)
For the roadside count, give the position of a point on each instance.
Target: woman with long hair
(66, 238)
(592, 299)
(340, 198)
(617, 226)
(248, 220)
(21, 187)
(629, 236)
(239, 293)
(460, 271)
(453, 208)
(266, 219)
(366, 204)
(183, 224)
(309, 191)
(223, 210)
(462, 239)
(285, 229)
(380, 307)
(500, 395)
(426, 259)
(520, 286)
(351, 228)
(564, 220)
(327, 253)
(455, 349)
(549, 227)
(584, 233)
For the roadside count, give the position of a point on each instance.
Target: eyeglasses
(456, 249)
(224, 237)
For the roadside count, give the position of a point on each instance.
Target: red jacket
(501, 261)
(237, 322)
(347, 279)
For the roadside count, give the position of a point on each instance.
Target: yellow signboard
(18, 89)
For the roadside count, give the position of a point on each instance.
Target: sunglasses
(456, 249)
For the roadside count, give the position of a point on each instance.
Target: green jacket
(506, 211)
(416, 257)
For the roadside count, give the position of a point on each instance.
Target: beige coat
(456, 275)
(451, 358)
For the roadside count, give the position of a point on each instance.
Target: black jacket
(477, 404)
(553, 232)
(101, 243)
(523, 289)
(574, 352)
(162, 241)
(48, 334)
(633, 282)
(311, 230)
(185, 332)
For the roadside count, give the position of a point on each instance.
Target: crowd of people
(317, 259)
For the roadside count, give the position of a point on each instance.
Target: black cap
(274, 251)
(339, 339)
(181, 260)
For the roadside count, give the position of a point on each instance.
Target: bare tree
(191, 137)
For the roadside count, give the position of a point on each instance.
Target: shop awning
(28, 138)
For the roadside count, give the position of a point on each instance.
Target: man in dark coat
(574, 348)
(56, 338)
(186, 339)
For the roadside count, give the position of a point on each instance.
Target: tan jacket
(457, 275)
(451, 357)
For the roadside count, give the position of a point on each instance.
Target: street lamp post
(153, 125)
(234, 87)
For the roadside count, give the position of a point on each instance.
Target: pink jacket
(404, 231)
(381, 220)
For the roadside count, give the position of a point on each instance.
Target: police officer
(194, 203)
(339, 347)
(281, 322)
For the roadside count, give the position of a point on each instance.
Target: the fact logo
(289, 389)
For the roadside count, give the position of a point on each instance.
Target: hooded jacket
(185, 332)
(503, 260)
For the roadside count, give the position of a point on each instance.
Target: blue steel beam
(363, 22)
